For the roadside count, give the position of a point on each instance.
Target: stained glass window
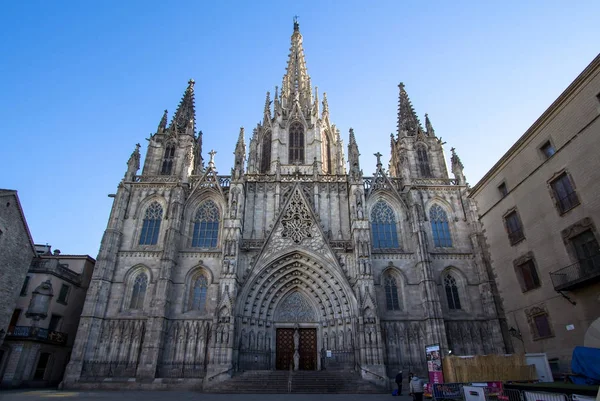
(151, 225)
(383, 226)
(391, 294)
(206, 226)
(296, 145)
(439, 227)
(198, 293)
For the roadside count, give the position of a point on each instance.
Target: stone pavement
(46, 395)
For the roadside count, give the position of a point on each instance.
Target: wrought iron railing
(254, 360)
(102, 369)
(576, 274)
(176, 370)
(37, 334)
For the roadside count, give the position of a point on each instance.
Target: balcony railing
(36, 334)
(577, 275)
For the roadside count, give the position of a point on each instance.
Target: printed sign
(434, 363)
(328, 353)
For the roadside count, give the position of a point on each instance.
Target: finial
(401, 85)
(191, 82)
(163, 121)
(211, 162)
(428, 126)
(296, 24)
(455, 160)
(325, 103)
(378, 156)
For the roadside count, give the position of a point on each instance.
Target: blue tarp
(585, 363)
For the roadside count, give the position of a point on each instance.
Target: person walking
(399, 382)
(416, 388)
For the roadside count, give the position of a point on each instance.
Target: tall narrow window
(391, 294)
(198, 293)
(514, 227)
(327, 155)
(439, 227)
(452, 292)
(167, 164)
(265, 161)
(138, 293)
(151, 225)
(296, 143)
(383, 226)
(423, 162)
(206, 225)
(25, 285)
(63, 295)
(564, 194)
(503, 189)
(587, 252)
(527, 275)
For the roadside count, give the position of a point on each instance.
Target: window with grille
(527, 275)
(383, 226)
(514, 227)
(138, 292)
(206, 225)
(452, 292)
(391, 294)
(63, 295)
(168, 158)
(198, 293)
(151, 224)
(265, 160)
(439, 227)
(296, 143)
(564, 194)
(423, 162)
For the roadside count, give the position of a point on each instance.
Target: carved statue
(359, 211)
(296, 346)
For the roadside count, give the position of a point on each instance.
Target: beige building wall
(69, 276)
(571, 126)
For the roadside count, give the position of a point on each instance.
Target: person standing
(416, 388)
(399, 382)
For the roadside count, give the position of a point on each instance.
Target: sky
(81, 82)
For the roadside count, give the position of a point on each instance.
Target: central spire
(296, 81)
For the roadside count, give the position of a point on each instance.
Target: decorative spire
(240, 155)
(296, 83)
(325, 104)
(455, 160)
(163, 122)
(428, 126)
(267, 112)
(133, 164)
(408, 122)
(185, 116)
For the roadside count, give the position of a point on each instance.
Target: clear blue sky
(81, 82)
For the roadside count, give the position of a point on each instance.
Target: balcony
(577, 275)
(36, 334)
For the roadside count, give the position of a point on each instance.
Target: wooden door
(308, 349)
(284, 349)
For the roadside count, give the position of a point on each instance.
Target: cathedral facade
(295, 260)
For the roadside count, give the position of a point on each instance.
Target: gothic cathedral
(292, 261)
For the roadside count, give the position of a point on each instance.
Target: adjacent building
(42, 328)
(16, 252)
(292, 260)
(540, 209)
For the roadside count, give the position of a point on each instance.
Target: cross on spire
(212, 154)
(378, 156)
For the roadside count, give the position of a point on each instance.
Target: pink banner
(436, 377)
(434, 364)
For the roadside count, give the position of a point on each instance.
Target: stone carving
(297, 221)
(295, 308)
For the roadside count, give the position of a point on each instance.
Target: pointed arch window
(265, 161)
(206, 225)
(423, 162)
(391, 294)
(168, 158)
(452, 292)
(383, 226)
(151, 225)
(138, 293)
(439, 227)
(296, 143)
(198, 292)
(327, 154)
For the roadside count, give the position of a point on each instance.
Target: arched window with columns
(151, 225)
(383, 226)
(423, 162)
(206, 225)
(452, 294)
(168, 159)
(392, 301)
(138, 292)
(198, 291)
(440, 228)
(296, 143)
